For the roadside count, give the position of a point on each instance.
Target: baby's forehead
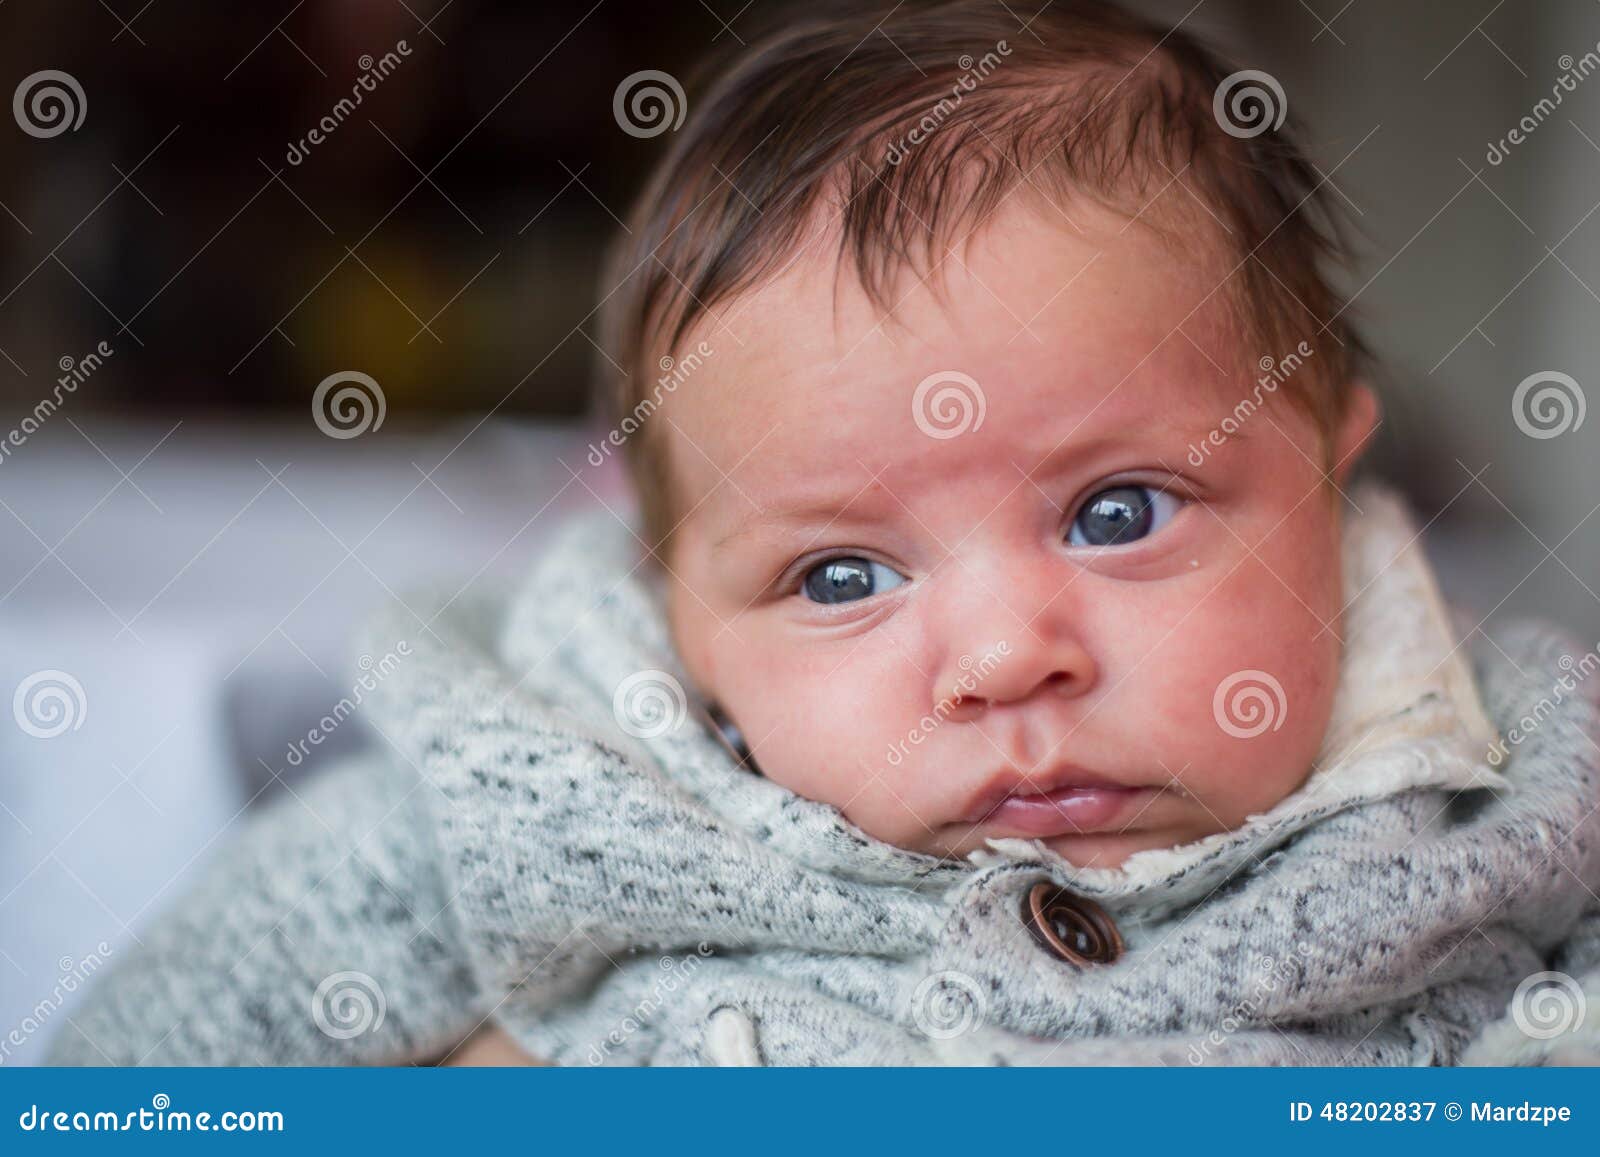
(1047, 323)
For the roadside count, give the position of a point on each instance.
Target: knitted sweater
(522, 845)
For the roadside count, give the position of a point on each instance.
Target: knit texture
(508, 851)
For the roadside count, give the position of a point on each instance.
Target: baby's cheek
(859, 694)
(823, 718)
(1239, 691)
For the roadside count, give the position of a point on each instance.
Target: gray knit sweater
(527, 844)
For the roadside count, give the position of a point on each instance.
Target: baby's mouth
(1059, 801)
(1066, 811)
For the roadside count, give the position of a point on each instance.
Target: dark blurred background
(468, 193)
(183, 545)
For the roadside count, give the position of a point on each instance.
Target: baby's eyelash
(1161, 482)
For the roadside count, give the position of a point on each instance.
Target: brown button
(1073, 927)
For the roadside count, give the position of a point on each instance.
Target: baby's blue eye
(1119, 515)
(847, 580)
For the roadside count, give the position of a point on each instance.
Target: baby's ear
(1360, 421)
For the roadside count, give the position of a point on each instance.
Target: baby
(957, 332)
(992, 418)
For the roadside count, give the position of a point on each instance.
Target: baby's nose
(1017, 668)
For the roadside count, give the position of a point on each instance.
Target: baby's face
(909, 626)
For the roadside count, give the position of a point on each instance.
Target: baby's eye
(846, 580)
(1121, 514)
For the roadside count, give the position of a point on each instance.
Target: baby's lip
(1013, 782)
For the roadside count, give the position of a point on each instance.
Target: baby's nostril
(965, 706)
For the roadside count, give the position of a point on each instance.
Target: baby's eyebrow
(818, 512)
(1180, 434)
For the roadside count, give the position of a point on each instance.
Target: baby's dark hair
(897, 138)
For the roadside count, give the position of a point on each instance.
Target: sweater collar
(1406, 714)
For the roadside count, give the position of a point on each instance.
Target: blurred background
(187, 530)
